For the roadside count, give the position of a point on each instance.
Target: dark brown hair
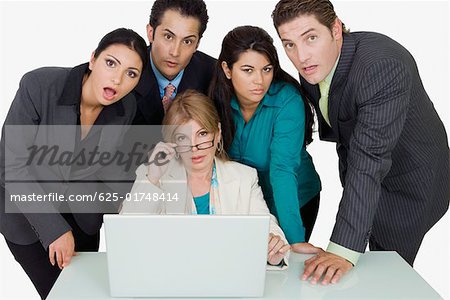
(126, 37)
(237, 41)
(287, 10)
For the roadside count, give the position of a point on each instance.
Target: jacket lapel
(228, 189)
(190, 79)
(339, 79)
(175, 183)
(148, 88)
(66, 115)
(63, 134)
(112, 126)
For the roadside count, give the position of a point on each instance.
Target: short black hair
(188, 8)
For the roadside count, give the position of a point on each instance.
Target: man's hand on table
(331, 266)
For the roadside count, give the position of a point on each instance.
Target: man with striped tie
(392, 146)
(174, 32)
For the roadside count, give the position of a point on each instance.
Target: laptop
(186, 255)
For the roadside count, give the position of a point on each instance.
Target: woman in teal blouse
(266, 124)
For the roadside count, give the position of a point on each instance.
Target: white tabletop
(378, 275)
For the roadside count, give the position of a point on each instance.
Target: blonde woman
(195, 166)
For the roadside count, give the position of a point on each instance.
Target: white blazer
(239, 193)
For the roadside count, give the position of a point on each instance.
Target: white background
(35, 34)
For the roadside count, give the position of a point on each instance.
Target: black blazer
(392, 146)
(197, 75)
(50, 96)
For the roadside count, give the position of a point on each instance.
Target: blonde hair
(193, 105)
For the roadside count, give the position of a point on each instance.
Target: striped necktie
(168, 96)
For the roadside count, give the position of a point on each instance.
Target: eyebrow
(303, 34)
(307, 31)
(186, 37)
(249, 66)
(201, 130)
(132, 68)
(115, 58)
(136, 69)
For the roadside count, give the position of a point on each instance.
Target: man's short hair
(187, 8)
(287, 10)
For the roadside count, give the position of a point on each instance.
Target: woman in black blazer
(41, 234)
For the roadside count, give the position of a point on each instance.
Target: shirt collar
(72, 88)
(234, 103)
(329, 78)
(163, 81)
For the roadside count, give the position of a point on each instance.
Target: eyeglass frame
(196, 146)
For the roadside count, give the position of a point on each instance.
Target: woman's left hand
(277, 249)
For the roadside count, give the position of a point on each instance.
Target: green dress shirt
(272, 142)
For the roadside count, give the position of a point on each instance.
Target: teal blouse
(202, 204)
(273, 143)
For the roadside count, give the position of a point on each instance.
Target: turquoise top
(273, 143)
(202, 204)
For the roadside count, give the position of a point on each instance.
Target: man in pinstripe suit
(392, 146)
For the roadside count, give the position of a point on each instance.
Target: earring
(219, 147)
(177, 155)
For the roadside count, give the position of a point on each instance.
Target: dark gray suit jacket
(51, 96)
(197, 75)
(392, 146)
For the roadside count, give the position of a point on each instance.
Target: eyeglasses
(201, 146)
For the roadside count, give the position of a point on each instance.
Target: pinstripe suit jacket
(392, 146)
